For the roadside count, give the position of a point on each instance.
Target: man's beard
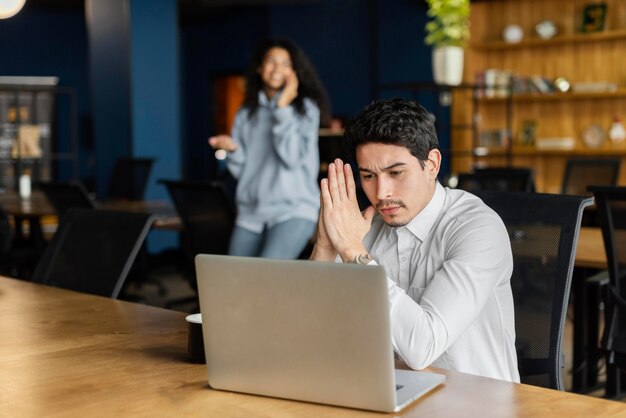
(383, 203)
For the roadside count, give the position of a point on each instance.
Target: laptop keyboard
(398, 387)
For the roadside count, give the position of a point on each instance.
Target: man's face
(394, 181)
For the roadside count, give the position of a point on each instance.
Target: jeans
(285, 240)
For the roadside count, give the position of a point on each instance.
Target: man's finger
(326, 199)
(341, 179)
(333, 187)
(350, 186)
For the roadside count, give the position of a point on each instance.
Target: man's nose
(383, 189)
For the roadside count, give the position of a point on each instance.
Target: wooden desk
(590, 251)
(67, 354)
(37, 206)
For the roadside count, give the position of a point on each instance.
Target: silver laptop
(303, 330)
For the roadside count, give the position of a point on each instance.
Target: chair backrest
(207, 213)
(543, 229)
(583, 172)
(611, 204)
(66, 195)
(93, 250)
(497, 179)
(130, 178)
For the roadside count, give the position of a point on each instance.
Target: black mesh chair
(130, 178)
(611, 203)
(497, 179)
(66, 195)
(93, 250)
(208, 215)
(543, 229)
(583, 172)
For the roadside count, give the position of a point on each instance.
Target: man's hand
(290, 91)
(323, 249)
(344, 225)
(224, 142)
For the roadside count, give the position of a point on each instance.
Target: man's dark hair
(396, 121)
(309, 84)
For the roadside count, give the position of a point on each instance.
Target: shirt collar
(265, 102)
(423, 222)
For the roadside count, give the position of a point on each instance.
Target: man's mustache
(387, 202)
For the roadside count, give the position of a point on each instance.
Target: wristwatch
(363, 259)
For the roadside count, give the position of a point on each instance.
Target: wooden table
(37, 207)
(65, 354)
(590, 252)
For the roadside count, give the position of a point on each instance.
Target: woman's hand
(290, 91)
(224, 142)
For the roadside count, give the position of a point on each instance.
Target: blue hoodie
(276, 164)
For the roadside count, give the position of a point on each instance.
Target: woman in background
(273, 153)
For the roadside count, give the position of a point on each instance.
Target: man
(446, 254)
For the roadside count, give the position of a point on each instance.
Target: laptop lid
(301, 330)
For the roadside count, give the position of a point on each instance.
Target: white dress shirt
(450, 297)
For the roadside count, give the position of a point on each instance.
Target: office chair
(208, 215)
(130, 178)
(497, 179)
(543, 229)
(66, 195)
(93, 250)
(583, 172)
(611, 203)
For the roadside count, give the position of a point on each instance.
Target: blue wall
(42, 42)
(354, 44)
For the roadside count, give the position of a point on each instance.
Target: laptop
(303, 330)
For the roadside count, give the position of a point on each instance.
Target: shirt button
(403, 259)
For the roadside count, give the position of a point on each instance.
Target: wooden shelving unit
(549, 97)
(558, 40)
(579, 57)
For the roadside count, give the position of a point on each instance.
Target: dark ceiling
(189, 10)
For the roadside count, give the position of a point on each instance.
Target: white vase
(448, 65)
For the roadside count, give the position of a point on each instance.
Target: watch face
(593, 136)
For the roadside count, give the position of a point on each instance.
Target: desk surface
(68, 354)
(590, 251)
(37, 206)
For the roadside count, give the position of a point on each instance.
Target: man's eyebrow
(394, 165)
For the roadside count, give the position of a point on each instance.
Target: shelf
(325, 132)
(484, 152)
(558, 40)
(548, 97)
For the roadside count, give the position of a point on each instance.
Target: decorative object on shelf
(617, 133)
(564, 143)
(28, 142)
(9, 8)
(593, 136)
(448, 33)
(595, 87)
(561, 84)
(546, 29)
(512, 34)
(25, 184)
(593, 17)
(528, 133)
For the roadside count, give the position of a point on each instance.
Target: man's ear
(433, 163)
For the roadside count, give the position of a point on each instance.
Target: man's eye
(395, 173)
(367, 176)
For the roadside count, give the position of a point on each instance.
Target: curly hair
(396, 121)
(309, 84)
